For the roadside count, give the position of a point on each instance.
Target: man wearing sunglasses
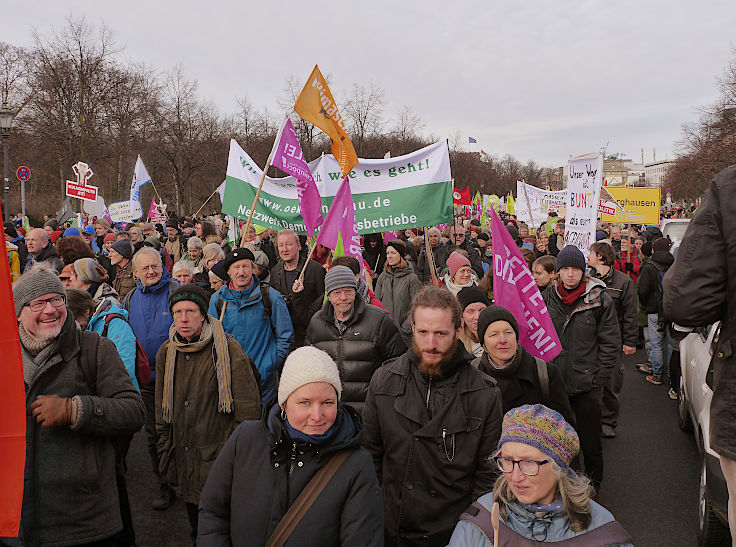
(79, 397)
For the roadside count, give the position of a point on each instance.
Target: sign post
(80, 189)
(23, 174)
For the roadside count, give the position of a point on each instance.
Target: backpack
(142, 368)
(265, 297)
(660, 290)
(543, 374)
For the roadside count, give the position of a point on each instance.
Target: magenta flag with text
(514, 288)
(289, 158)
(338, 231)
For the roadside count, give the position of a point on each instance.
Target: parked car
(696, 391)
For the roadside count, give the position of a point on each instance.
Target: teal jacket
(121, 334)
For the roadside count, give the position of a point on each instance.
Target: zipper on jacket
(292, 458)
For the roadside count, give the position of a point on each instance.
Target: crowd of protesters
(391, 381)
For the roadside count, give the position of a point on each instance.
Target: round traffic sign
(23, 173)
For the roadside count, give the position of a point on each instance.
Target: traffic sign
(23, 173)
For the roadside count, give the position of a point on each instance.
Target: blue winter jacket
(267, 343)
(149, 315)
(121, 334)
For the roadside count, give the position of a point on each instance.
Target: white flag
(140, 178)
(221, 191)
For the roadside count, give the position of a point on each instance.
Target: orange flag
(317, 106)
(12, 408)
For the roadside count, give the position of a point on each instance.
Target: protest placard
(125, 211)
(583, 196)
(641, 205)
(388, 194)
(541, 201)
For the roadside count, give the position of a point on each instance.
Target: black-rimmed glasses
(529, 467)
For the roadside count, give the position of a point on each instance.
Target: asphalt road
(650, 478)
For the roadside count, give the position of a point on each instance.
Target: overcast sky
(540, 81)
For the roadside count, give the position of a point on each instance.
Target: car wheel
(683, 415)
(711, 531)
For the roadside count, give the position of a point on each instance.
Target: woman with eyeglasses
(539, 496)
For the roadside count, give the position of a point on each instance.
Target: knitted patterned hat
(571, 257)
(192, 293)
(544, 429)
(35, 284)
(339, 277)
(455, 262)
(89, 270)
(306, 365)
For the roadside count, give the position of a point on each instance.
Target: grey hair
(434, 230)
(194, 242)
(149, 251)
(138, 232)
(183, 265)
(575, 492)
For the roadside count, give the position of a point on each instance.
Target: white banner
(125, 211)
(583, 196)
(541, 201)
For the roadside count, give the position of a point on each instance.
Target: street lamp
(6, 121)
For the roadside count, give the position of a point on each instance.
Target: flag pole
(309, 257)
(205, 203)
(529, 207)
(430, 259)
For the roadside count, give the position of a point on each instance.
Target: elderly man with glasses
(79, 398)
(150, 318)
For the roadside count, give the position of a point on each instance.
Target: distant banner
(583, 197)
(125, 211)
(389, 194)
(641, 205)
(541, 201)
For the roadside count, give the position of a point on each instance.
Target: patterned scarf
(211, 329)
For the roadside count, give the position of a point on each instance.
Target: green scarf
(211, 329)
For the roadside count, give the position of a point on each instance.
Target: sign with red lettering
(79, 191)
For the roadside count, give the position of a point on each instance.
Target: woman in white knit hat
(266, 465)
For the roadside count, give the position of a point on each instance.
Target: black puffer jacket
(431, 441)
(371, 338)
(261, 471)
(589, 333)
(621, 289)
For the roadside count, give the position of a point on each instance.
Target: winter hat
(600, 234)
(661, 244)
(471, 295)
(124, 248)
(73, 231)
(109, 237)
(398, 245)
(241, 253)
(190, 292)
(89, 230)
(306, 365)
(89, 270)
(35, 284)
(260, 259)
(172, 223)
(53, 223)
(10, 230)
(456, 261)
(544, 429)
(152, 241)
(571, 257)
(646, 249)
(492, 314)
(484, 236)
(219, 271)
(338, 277)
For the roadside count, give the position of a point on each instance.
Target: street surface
(650, 480)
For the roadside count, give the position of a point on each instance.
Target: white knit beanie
(306, 365)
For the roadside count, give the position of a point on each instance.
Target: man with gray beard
(432, 421)
(79, 398)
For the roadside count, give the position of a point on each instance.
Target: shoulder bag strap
(305, 500)
(543, 374)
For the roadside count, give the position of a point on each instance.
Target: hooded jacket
(262, 470)
(396, 290)
(47, 254)
(648, 284)
(119, 332)
(70, 495)
(431, 440)
(370, 338)
(622, 291)
(589, 333)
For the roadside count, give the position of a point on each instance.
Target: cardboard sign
(125, 211)
(641, 205)
(81, 191)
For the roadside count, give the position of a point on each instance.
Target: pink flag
(389, 236)
(339, 231)
(107, 217)
(152, 212)
(514, 288)
(289, 158)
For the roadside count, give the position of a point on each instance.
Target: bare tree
(15, 69)
(363, 111)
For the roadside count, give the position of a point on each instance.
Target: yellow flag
(316, 105)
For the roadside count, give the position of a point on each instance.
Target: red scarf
(569, 297)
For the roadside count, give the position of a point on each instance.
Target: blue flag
(471, 140)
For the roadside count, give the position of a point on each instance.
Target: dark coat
(396, 290)
(304, 304)
(124, 281)
(188, 446)
(261, 471)
(647, 285)
(432, 463)
(70, 495)
(370, 339)
(621, 289)
(590, 337)
(48, 254)
(700, 288)
(423, 270)
(523, 387)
